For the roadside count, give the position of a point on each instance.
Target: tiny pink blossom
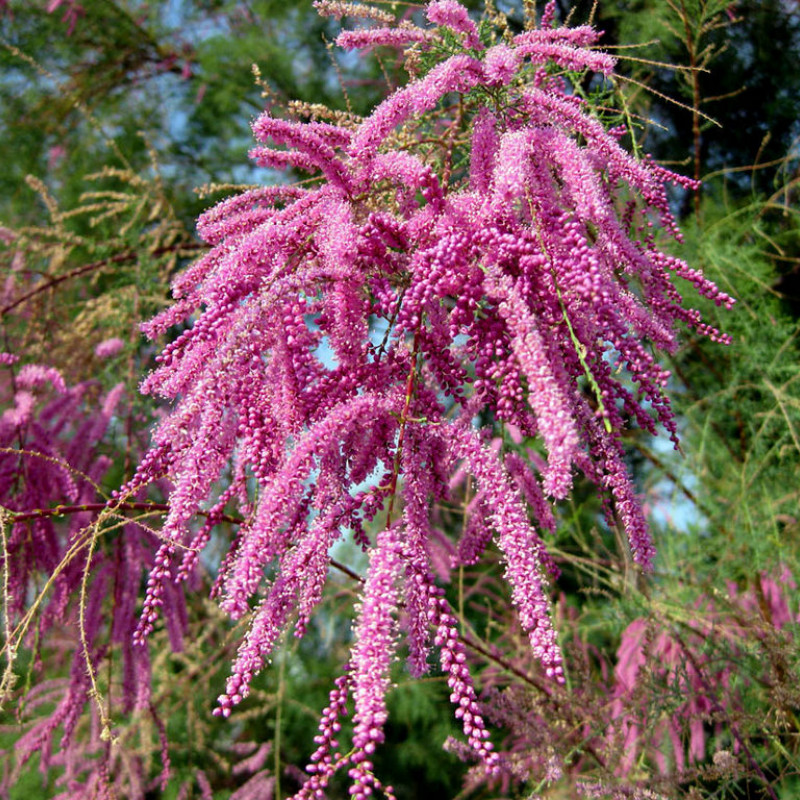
(55, 155)
(109, 347)
(381, 37)
(36, 376)
(453, 15)
(501, 64)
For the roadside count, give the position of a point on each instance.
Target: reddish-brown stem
(410, 381)
(119, 258)
(64, 510)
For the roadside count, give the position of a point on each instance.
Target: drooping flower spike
(348, 336)
(52, 465)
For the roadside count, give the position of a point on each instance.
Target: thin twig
(119, 258)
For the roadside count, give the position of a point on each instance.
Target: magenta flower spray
(479, 251)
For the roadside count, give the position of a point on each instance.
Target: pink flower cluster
(73, 11)
(51, 466)
(348, 334)
(682, 660)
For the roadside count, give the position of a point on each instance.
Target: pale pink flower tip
(453, 15)
(501, 64)
(109, 348)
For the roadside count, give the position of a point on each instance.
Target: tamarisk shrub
(678, 705)
(47, 456)
(478, 252)
(90, 708)
(710, 687)
(52, 465)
